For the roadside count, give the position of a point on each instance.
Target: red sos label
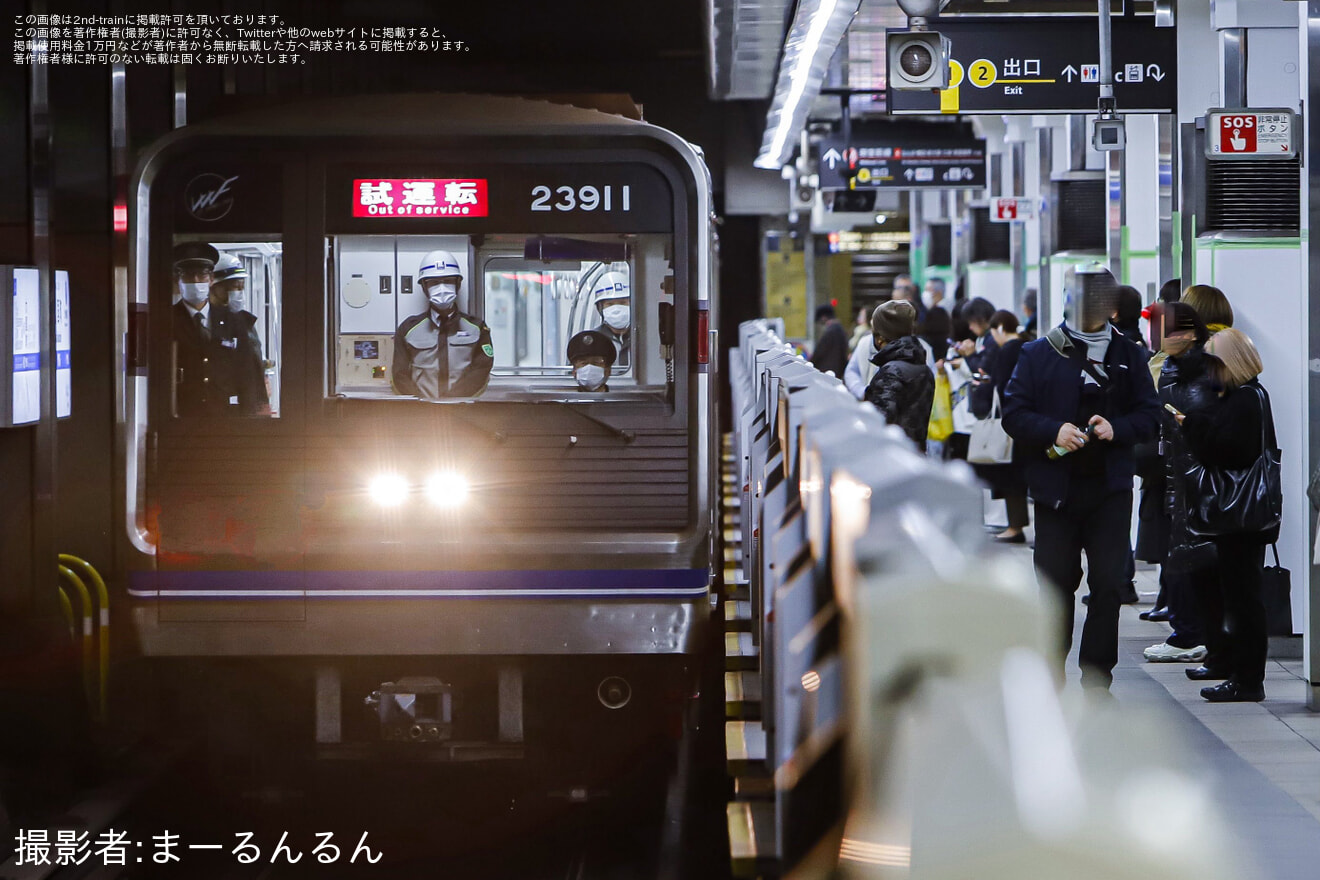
(1237, 134)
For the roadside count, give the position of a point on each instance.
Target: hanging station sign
(912, 156)
(1051, 64)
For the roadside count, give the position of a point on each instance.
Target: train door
(225, 474)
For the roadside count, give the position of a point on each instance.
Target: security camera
(918, 59)
(1107, 134)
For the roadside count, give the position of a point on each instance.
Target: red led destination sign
(400, 197)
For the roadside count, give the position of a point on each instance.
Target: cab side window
(225, 329)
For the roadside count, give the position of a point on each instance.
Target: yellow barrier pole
(67, 607)
(88, 652)
(103, 621)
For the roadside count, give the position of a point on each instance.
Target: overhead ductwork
(744, 39)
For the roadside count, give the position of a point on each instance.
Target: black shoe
(1128, 594)
(1205, 673)
(1019, 538)
(1158, 614)
(1232, 692)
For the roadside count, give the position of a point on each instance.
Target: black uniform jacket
(219, 373)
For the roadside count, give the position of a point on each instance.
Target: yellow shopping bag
(941, 411)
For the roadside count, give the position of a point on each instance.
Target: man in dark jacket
(831, 354)
(1084, 394)
(903, 386)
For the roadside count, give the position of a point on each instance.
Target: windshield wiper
(622, 434)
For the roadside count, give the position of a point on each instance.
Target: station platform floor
(1262, 759)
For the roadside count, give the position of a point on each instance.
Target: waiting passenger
(592, 355)
(1084, 394)
(611, 295)
(903, 387)
(219, 369)
(1211, 304)
(831, 352)
(442, 352)
(1232, 434)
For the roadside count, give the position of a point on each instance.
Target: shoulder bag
(1230, 501)
(989, 442)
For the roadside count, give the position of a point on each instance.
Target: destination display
(485, 197)
(1049, 64)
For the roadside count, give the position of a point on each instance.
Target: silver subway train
(496, 558)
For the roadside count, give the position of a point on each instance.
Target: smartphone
(1172, 409)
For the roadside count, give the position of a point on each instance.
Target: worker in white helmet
(442, 352)
(612, 296)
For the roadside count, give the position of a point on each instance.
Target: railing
(911, 722)
(94, 633)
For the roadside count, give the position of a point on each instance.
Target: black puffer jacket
(1185, 383)
(903, 387)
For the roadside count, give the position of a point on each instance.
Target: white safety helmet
(439, 264)
(610, 285)
(229, 268)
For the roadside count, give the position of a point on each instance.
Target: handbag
(1192, 556)
(989, 442)
(1226, 501)
(1276, 593)
(941, 411)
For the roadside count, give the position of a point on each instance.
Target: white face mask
(618, 317)
(928, 299)
(237, 299)
(194, 294)
(590, 376)
(443, 296)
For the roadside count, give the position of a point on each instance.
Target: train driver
(442, 352)
(219, 369)
(611, 296)
(591, 354)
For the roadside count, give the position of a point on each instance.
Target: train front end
(378, 484)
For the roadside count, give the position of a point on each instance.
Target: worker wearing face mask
(611, 294)
(218, 367)
(442, 352)
(229, 289)
(592, 355)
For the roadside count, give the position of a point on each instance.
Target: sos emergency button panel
(1251, 134)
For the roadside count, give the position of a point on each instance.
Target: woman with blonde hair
(1211, 304)
(1233, 433)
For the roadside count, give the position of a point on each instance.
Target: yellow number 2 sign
(982, 73)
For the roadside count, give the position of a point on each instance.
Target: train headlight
(388, 489)
(447, 489)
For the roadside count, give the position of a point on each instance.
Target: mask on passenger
(617, 317)
(443, 296)
(194, 293)
(589, 376)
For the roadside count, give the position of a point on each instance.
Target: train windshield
(500, 316)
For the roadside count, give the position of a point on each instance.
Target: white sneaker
(1166, 653)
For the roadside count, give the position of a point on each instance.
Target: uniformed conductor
(592, 355)
(218, 369)
(442, 352)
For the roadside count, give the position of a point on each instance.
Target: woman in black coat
(1006, 481)
(1232, 434)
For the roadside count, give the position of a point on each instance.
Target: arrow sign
(908, 173)
(832, 156)
(1070, 72)
(1153, 71)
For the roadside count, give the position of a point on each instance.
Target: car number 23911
(581, 198)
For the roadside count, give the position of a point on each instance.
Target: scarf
(1097, 345)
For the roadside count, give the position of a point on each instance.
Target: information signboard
(1051, 64)
(1250, 134)
(911, 156)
